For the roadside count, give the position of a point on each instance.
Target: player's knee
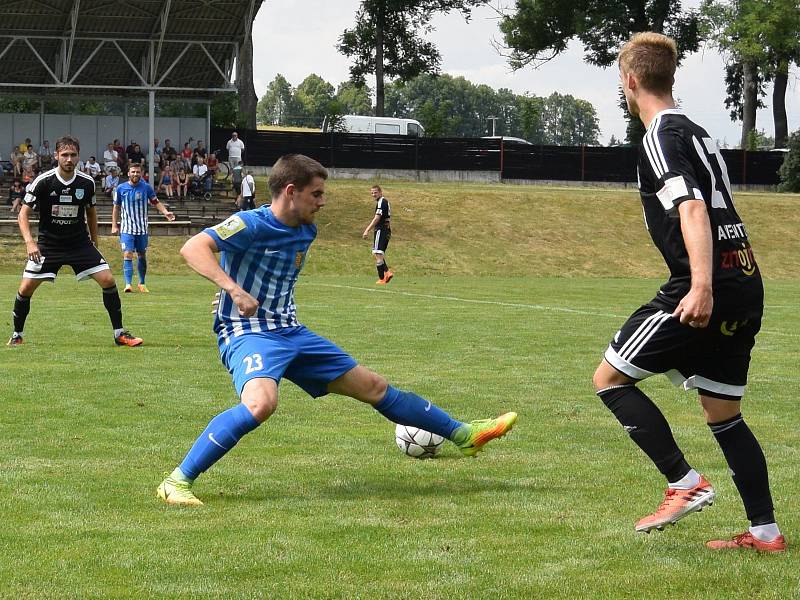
(377, 386)
(260, 398)
(128, 255)
(606, 376)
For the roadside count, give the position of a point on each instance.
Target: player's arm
(160, 207)
(31, 247)
(371, 225)
(115, 219)
(91, 221)
(695, 307)
(199, 253)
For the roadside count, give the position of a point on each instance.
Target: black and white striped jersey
(62, 207)
(382, 209)
(679, 161)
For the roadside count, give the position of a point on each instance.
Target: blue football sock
(223, 432)
(141, 266)
(127, 270)
(406, 408)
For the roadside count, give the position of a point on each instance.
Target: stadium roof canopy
(78, 47)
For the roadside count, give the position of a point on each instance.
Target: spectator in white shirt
(111, 182)
(110, 159)
(235, 148)
(92, 168)
(199, 172)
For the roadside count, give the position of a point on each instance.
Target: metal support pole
(151, 129)
(209, 147)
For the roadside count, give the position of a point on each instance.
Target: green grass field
(319, 503)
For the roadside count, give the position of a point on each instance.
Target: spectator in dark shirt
(15, 195)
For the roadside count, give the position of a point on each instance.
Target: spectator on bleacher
(45, 156)
(129, 149)
(200, 173)
(135, 156)
(110, 159)
(235, 148)
(186, 153)
(15, 195)
(30, 159)
(166, 182)
(92, 168)
(110, 182)
(16, 160)
(213, 165)
(181, 183)
(121, 158)
(27, 174)
(168, 153)
(199, 152)
(156, 152)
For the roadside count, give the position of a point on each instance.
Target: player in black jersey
(382, 225)
(65, 200)
(701, 326)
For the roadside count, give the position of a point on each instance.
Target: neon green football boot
(176, 491)
(484, 431)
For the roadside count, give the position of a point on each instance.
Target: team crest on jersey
(298, 259)
(230, 226)
(79, 194)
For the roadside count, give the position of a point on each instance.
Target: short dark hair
(297, 169)
(376, 187)
(135, 165)
(67, 140)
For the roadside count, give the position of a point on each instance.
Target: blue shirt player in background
(133, 198)
(260, 339)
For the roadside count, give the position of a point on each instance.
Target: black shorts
(713, 360)
(84, 259)
(237, 187)
(381, 240)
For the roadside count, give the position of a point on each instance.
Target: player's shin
(647, 427)
(114, 306)
(748, 467)
(141, 267)
(22, 306)
(127, 270)
(406, 408)
(222, 433)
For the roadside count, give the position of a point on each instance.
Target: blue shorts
(133, 243)
(303, 357)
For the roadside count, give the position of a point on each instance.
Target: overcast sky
(297, 37)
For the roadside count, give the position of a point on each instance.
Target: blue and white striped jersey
(134, 200)
(265, 258)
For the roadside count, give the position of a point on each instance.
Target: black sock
(22, 306)
(748, 467)
(647, 427)
(113, 305)
(381, 270)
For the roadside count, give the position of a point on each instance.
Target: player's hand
(32, 248)
(246, 304)
(114, 229)
(695, 308)
(365, 234)
(215, 303)
(170, 215)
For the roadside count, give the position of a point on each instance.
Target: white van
(386, 125)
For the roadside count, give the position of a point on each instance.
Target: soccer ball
(417, 443)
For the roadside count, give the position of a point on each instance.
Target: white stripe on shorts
(642, 334)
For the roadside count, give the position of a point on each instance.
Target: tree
(540, 30)
(759, 40)
(790, 169)
(387, 40)
(354, 98)
(312, 99)
(276, 103)
(244, 76)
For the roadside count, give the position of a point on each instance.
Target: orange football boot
(677, 504)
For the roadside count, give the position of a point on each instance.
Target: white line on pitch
(471, 300)
(573, 311)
